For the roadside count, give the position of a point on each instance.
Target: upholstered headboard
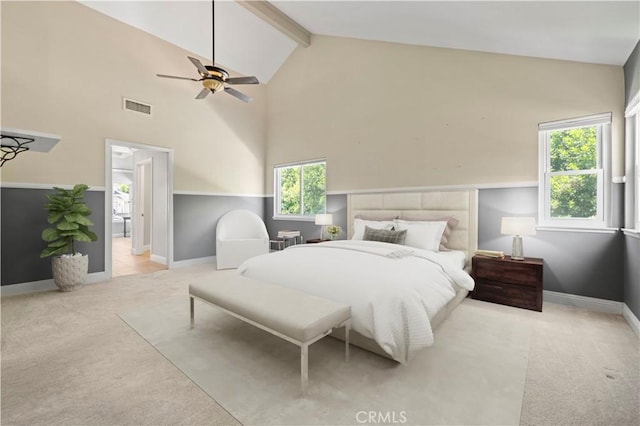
(462, 204)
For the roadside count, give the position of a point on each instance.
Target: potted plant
(68, 213)
(333, 231)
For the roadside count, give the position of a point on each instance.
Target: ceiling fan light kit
(214, 79)
(213, 84)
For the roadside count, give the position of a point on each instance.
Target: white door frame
(108, 200)
(139, 224)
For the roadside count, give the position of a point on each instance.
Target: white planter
(70, 272)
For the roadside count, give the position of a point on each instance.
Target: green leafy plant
(574, 196)
(333, 230)
(312, 198)
(68, 213)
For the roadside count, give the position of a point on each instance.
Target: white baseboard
(632, 320)
(158, 259)
(599, 305)
(191, 262)
(45, 285)
(591, 303)
(92, 278)
(145, 249)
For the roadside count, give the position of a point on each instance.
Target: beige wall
(65, 69)
(389, 115)
(384, 115)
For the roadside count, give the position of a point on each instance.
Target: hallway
(124, 263)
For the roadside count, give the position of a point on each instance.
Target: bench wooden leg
(347, 326)
(304, 367)
(191, 309)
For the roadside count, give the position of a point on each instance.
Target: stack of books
(288, 234)
(490, 253)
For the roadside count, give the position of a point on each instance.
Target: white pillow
(422, 235)
(359, 224)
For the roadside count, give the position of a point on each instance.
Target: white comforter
(394, 291)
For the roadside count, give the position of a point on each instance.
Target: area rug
(474, 373)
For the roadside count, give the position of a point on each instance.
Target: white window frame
(602, 171)
(632, 168)
(277, 214)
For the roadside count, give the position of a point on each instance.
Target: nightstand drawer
(509, 272)
(509, 282)
(507, 294)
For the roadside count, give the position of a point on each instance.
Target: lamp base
(516, 250)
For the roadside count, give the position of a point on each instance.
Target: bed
(399, 293)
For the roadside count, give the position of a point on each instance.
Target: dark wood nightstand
(315, 241)
(509, 282)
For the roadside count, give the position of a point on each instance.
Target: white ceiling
(244, 42)
(586, 31)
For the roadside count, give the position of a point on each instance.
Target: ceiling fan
(215, 79)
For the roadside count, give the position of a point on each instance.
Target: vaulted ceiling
(586, 31)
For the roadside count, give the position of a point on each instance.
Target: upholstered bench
(292, 315)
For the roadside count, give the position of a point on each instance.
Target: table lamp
(324, 220)
(518, 226)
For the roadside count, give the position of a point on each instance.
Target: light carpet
(474, 373)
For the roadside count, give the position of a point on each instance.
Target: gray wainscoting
(23, 218)
(584, 264)
(596, 265)
(581, 263)
(336, 205)
(195, 218)
(632, 274)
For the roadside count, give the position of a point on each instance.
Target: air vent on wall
(136, 106)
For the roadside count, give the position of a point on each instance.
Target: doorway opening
(138, 198)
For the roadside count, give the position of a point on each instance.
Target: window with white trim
(575, 178)
(632, 168)
(300, 190)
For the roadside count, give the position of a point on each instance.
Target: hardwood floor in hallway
(124, 263)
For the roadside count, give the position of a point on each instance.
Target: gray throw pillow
(384, 235)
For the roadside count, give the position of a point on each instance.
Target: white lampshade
(518, 226)
(324, 219)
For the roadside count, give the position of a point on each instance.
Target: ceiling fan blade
(203, 93)
(239, 95)
(174, 76)
(242, 80)
(201, 69)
